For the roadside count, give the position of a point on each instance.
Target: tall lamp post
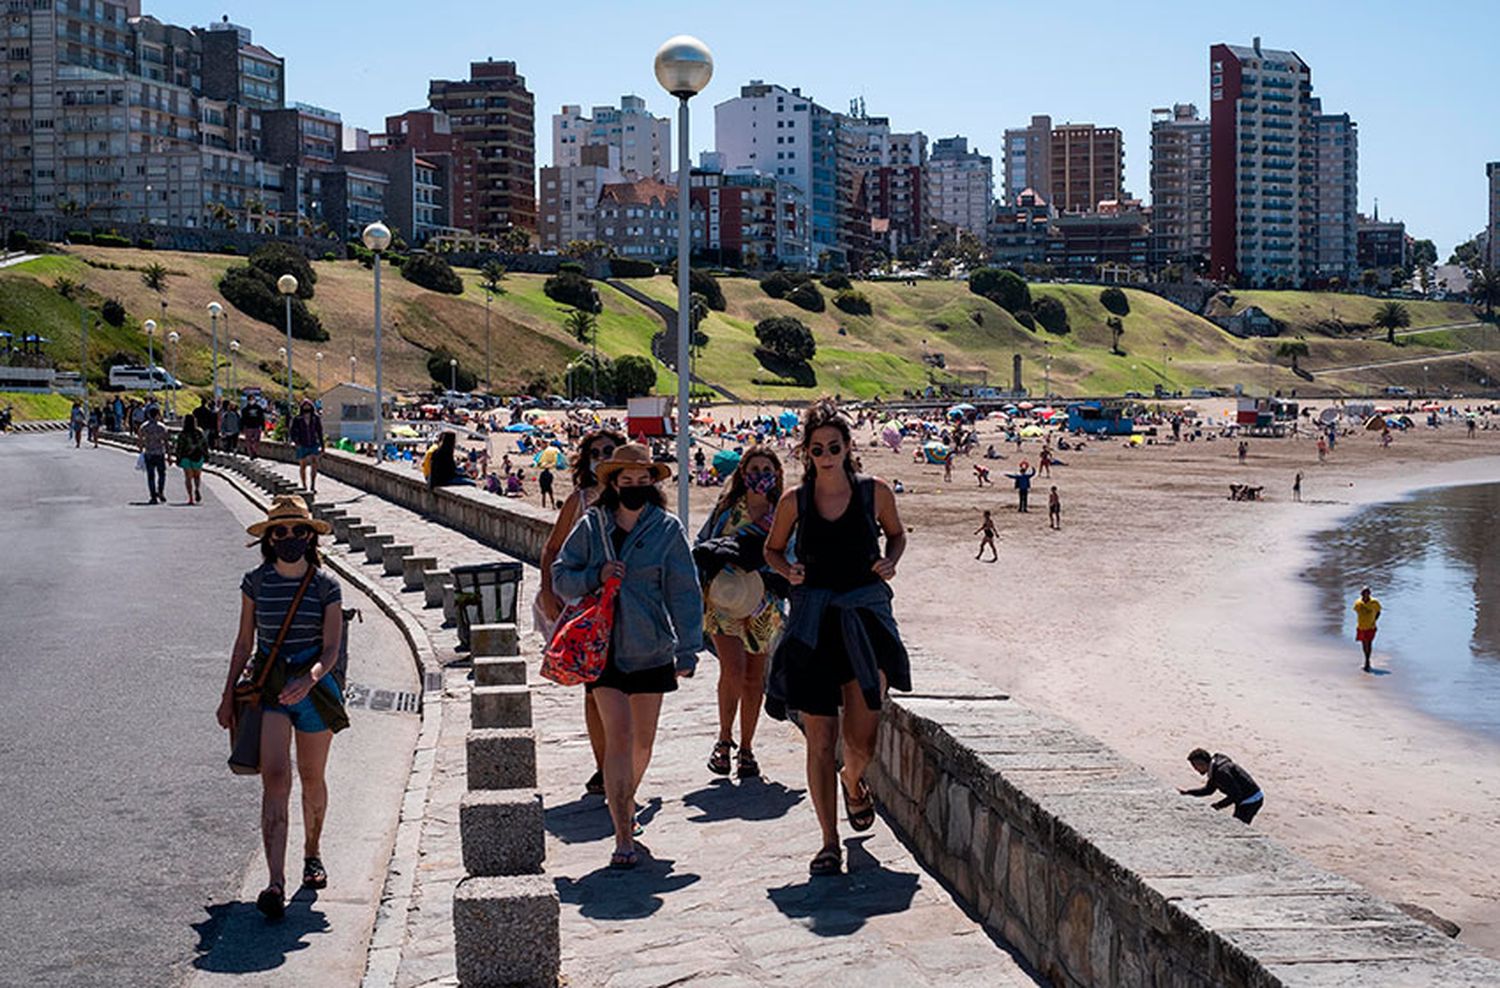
(684, 65)
(172, 339)
(377, 237)
(452, 373)
(287, 286)
(352, 378)
(150, 327)
(234, 372)
(318, 359)
(487, 296)
(214, 311)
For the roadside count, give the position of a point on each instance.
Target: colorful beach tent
(725, 461)
(891, 434)
(549, 457)
(936, 453)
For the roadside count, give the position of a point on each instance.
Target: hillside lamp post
(377, 237)
(352, 378)
(172, 339)
(684, 65)
(452, 373)
(214, 311)
(287, 286)
(150, 327)
(318, 358)
(83, 351)
(1425, 369)
(488, 387)
(234, 372)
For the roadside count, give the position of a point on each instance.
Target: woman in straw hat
(299, 696)
(743, 617)
(658, 620)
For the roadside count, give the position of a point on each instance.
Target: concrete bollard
(342, 525)
(393, 556)
(433, 582)
(492, 670)
(412, 568)
(506, 931)
(502, 832)
(493, 639)
(375, 544)
(501, 758)
(500, 706)
(357, 535)
(450, 604)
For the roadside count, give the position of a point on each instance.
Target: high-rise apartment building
(1492, 170)
(429, 133)
(1088, 167)
(493, 113)
(644, 141)
(1180, 197)
(568, 203)
(1028, 159)
(960, 185)
(1284, 175)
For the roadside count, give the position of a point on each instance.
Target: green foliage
(630, 267)
(704, 284)
(1025, 318)
(1115, 301)
(65, 286)
(17, 240)
(1423, 253)
(111, 240)
(155, 277)
(433, 273)
(787, 338)
(582, 324)
(491, 277)
(79, 237)
(588, 375)
(276, 259)
(1467, 255)
(441, 372)
(252, 291)
(1390, 317)
(806, 296)
(571, 288)
(634, 375)
(1004, 288)
(573, 266)
(837, 281)
(1116, 330)
(778, 283)
(145, 243)
(1051, 314)
(853, 302)
(1293, 350)
(113, 312)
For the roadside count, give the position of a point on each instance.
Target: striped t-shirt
(276, 593)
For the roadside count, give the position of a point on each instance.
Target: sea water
(1432, 559)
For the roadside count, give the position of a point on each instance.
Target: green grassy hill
(1304, 312)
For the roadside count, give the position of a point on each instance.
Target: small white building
(349, 413)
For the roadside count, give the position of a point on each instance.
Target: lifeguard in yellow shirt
(1366, 613)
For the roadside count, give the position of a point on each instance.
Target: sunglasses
(601, 451)
(817, 451)
(290, 531)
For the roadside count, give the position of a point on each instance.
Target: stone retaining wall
(1101, 876)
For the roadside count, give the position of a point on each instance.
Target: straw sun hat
(628, 456)
(289, 509)
(736, 594)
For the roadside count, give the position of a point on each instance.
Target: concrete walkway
(724, 899)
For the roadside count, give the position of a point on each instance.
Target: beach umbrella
(936, 452)
(891, 434)
(1025, 406)
(788, 420)
(1046, 413)
(1374, 424)
(519, 427)
(725, 461)
(549, 456)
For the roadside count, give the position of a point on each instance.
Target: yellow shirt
(1366, 612)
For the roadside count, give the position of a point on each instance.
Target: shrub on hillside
(80, 237)
(806, 296)
(432, 272)
(779, 284)
(145, 243)
(634, 376)
(276, 259)
(110, 240)
(573, 266)
(113, 312)
(1004, 288)
(852, 302)
(837, 281)
(702, 283)
(1025, 318)
(1051, 314)
(17, 240)
(786, 337)
(630, 267)
(1115, 301)
(253, 292)
(442, 373)
(573, 289)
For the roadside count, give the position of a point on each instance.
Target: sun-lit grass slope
(1303, 311)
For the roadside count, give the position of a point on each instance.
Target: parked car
(558, 401)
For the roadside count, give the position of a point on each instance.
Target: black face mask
(289, 550)
(634, 498)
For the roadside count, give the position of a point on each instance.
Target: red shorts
(1364, 635)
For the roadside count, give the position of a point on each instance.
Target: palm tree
(1293, 350)
(1484, 283)
(490, 277)
(584, 326)
(154, 277)
(1390, 317)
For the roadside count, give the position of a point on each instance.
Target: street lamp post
(684, 65)
(83, 352)
(452, 373)
(234, 372)
(172, 339)
(488, 387)
(150, 327)
(214, 309)
(377, 237)
(287, 286)
(318, 359)
(352, 378)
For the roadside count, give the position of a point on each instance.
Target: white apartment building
(568, 209)
(644, 141)
(960, 185)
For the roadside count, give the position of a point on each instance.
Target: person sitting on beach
(1366, 614)
(992, 453)
(1225, 776)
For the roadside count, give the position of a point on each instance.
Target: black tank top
(838, 554)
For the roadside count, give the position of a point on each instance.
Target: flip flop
(826, 863)
(314, 875)
(272, 902)
(624, 860)
(859, 819)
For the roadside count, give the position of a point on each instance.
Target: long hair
(269, 554)
(824, 414)
(583, 469)
(736, 488)
(189, 424)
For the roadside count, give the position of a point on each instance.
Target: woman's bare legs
(276, 791)
(731, 681)
(752, 693)
(595, 727)
(822, 771)
(312, 762)
(861, 724)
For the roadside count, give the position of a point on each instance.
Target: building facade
(1330, 213)
(1383, 245)
(1180, 194)
(493, 113)
(1492, 171)
(1110, 244)
(1027, 153)
(644, 141)
(417, 192)
(960, 185)
(639, 219)
(1088, 167)
(749, 219)
(569, 202)
(429, 133)
(1020, 230)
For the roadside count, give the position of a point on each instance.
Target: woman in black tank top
(833, 523)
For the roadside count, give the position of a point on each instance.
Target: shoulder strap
(286, 625)
(804, 504)
(609, 549)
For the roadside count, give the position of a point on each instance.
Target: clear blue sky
(1418, 78)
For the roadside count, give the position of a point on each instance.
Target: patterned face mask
(761, 482)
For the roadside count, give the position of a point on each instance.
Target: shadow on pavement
(584, 819)
(236, 939)
(751, 799)
(836, 907)
(635, 894)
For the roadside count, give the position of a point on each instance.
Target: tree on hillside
(1466, 255)
(491, 276)
(1116, 330)
(786, 337)
(1484, 283)
(1004, 288)
(154, 277)
(634, 376)
(433, 273)
(515, 240)
(584, 325)
(697, 312)
(1390, 317)
(1293, 350)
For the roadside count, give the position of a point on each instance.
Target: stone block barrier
(341, 526)
(501, 758)
(500, 706)
(375, 544)
(393, 558)
(413, 568)
(434, 582)
(491, 670)
(493, 639)
(503, 832)
(356, 536)
(506, 932)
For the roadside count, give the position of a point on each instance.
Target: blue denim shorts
(304, 714)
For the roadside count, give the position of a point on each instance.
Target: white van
(136, 378)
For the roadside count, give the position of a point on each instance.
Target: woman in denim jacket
(658, 621)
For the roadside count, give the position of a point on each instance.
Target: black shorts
(815, 684)
(657, 679)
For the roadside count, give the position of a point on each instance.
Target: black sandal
(747, 767)
(272, 902)
(861, 819)
(827, 862)
(595, 785)
(718, 762)
(314, 875)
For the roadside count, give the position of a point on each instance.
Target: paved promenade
(724, 898)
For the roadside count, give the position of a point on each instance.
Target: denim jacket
(659, 611)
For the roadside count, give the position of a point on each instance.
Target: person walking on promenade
(841, 647)
(1297, 487)
(658, 620)
(252, 424)
(192, 450)
(300, 695)
(207, 417)
(229, 427)
(76, 422)
(1054, 510)
(1239, 789)
(594, 448)
(986, 530)
(1366, 614)
(120, 423)
(1023, 485)
(307, 438)
(152, 437)
(741, 614)
(96, 420)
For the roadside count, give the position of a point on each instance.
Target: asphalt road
(128, 845)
